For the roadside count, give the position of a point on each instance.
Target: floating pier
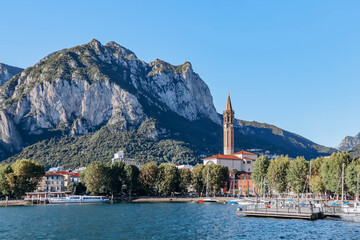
(283, 214)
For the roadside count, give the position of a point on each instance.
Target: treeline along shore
(322, 175)
(118, 180)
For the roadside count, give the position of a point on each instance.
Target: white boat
(350, 213)
(245, 204)
(78, 199)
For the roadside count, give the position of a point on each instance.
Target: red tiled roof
(245, 152)
(76, 174)
(222, 157)
(58, 173)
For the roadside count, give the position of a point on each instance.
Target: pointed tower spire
(228, 128)
(228, 103)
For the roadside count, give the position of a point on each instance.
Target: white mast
(342, 183)
(207, 183)
(310, 178)
(357, 188)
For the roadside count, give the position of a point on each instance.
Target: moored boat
(78, 199)
(208, 200)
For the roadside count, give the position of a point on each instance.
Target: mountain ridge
(7, 72)
(77, 91)
(349, 142)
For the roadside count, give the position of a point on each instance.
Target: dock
(287, 211)
(305, 215)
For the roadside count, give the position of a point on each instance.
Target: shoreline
(141, 199)
(134, 200)
(14, 203)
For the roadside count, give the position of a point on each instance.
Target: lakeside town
(179, 120)
(226, 178)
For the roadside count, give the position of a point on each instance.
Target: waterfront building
(242, 161)
(57, 181)
(242, 183)
(119, 157)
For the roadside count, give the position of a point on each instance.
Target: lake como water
(159, 221)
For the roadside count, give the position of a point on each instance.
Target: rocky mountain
(349, 142)
(355, 151)
(73, 96)
(7, 72)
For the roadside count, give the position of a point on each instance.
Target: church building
(243, 161)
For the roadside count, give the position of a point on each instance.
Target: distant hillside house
(242, 161)
(119, 157)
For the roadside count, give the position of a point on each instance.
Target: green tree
(25, 177)
(148, 177)
(331, 170)
(71, 187)
(132, 173)
(259, 170)
(5, 189)
(197, 178)
(76, 188)
(185, 179)
(317, 184)
(316, 165)
(96, 178)
(351, 176)
(297, 174)
(116, 177)
(215, 175)
(168, 179)
(276, 173)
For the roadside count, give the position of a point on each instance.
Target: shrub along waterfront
(284, 175)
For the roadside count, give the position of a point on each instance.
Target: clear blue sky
(294, 64)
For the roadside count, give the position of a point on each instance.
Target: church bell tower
(228, 128)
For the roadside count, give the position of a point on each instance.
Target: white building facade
(119, 157)
(242, 161)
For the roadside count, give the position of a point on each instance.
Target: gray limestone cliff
(78, 90)
(349, 142)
